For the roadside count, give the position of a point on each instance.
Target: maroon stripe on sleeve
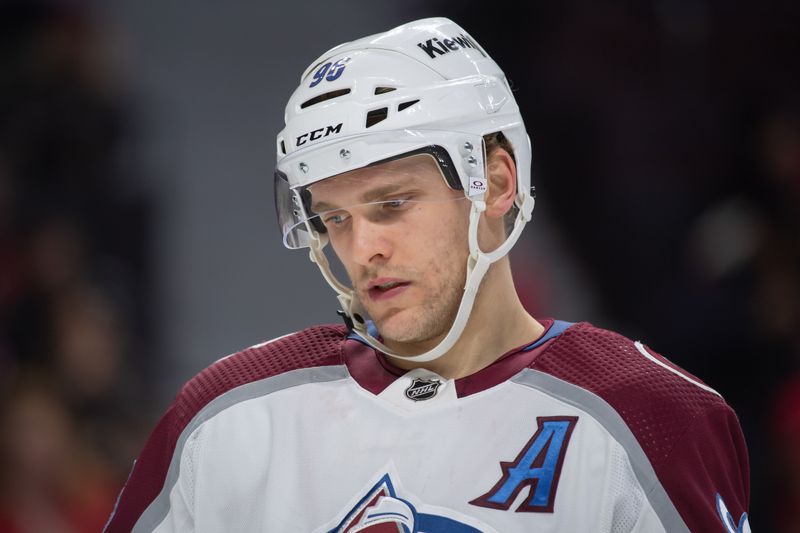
(318, 346)
(147, 477)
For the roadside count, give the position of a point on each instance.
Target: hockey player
(442, 405)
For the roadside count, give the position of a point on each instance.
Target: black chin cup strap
(346, 318)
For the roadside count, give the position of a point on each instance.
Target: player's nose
(370, 242)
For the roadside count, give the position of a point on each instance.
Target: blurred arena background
(138, 241)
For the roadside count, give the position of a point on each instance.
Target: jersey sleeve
(159, 493)
(682, 438)
(148, 478)
(706, 475)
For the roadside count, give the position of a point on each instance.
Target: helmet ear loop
(525, 201)
(476, 254)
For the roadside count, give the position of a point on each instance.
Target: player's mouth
(385, 288)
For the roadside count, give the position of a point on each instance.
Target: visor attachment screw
(344, 153)
(471, 161)
(303, 168)
(467, 146)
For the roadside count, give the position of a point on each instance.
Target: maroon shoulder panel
(317, 346)
(691, 436)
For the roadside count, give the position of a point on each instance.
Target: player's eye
(334, 219)
(396, 203)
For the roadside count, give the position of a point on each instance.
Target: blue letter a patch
(537, 466)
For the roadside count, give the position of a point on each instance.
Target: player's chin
(407, 326)
(398, 325)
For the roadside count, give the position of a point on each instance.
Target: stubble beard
(426, 322)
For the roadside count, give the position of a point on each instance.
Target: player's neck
(498, 323)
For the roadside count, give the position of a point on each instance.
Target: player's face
(401, 234)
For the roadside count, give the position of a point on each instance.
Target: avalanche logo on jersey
(382, 510)
(730, 524)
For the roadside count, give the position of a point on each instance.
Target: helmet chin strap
(478, 264)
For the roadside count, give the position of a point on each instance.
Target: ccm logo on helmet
(319, 134)
(434, 46)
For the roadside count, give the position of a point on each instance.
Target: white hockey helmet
(423, 87)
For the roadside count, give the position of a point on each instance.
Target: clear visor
(391, 193)
(434, 168)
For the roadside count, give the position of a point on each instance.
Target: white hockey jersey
(580, 431)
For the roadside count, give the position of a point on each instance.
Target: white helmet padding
(426, 85)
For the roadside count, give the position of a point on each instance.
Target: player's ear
(502, 183)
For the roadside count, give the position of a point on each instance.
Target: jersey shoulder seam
(637, 379)
(262, 361)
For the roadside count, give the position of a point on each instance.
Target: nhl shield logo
(422, 389)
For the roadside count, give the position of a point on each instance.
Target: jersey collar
(373, 371)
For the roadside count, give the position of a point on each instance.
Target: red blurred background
(137, 242)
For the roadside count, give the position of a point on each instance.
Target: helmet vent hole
(405, 105)
(381, 90)
(283, 147)
(377, 115)
(323, 97)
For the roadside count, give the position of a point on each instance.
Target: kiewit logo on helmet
(434, 46)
